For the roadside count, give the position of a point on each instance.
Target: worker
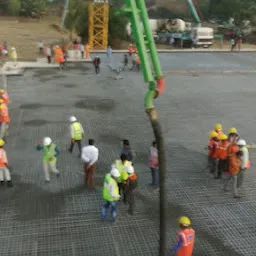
(77, 133)
(90, 155)
(121, 165)
(137, 60)
(4, 169)
(218, 129)
(62, 60)
(130, 50)
(233, 136)
(4, 119)
(125, 61)
(14, 55)
(87, 51)
(127, 150)
(96, 63)
(4, 96)
(129, 188)
(245, 162)
(234, 163)
(185, 238)
(110, 194)
(134, 58)
(222, 155)
(213, 152)
(50, 154)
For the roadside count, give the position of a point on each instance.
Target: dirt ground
(25, 33)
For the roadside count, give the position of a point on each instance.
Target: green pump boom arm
(194, 12)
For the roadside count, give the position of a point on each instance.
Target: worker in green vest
(77, 133)
(110, 194)
(50, 154)
(121, 165)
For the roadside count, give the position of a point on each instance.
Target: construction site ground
(62, 218)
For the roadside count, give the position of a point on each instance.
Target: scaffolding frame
(98, 24)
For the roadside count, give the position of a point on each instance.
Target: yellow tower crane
(98, 24)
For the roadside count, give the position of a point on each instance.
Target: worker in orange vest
(4, 171)
(62, 61)
(4, 96)
(234, 164)
(222, 155)
(137, 61)
(218, 129)
(185, 239)
(213, 151)
(4, 119)
(130, 50)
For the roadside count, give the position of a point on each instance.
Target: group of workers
(228, 154)
(4, 121)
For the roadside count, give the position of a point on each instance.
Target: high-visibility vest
(5, 98)
(108, 182)
(77, 131)
(188, 240)
(3, 158)
(4, 114)
(49, 153)
(122, 169)
(213, 148)
(222, 150)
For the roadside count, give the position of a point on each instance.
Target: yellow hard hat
(218, 127)
(1, 101)
(223, 137)
(2, 91)
(2, 143)
(214, 134)
(232, 130)
(185, 221)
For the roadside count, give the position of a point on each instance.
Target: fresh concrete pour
(63, 217)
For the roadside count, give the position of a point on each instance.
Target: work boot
(9, 184)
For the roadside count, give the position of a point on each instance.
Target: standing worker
(110, 194)
(185, 239)
(213, 152)
(137, 63)
(96, 64)
(222, 155)
(90, 155)
(4, 119)
(14, 55)
(245, 162)
(127, 150)
(129, 189)
(77, 133)
(121, 165)
(4, 170)
(126, 61)
(130, 50)
(4, 96)
(153, 164)
(50, 154)
(234, 163)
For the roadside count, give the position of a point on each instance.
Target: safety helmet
(241, 143)
(218, 127)
(47, 141)
(72, 119)
(130, 169)
(223, 137)
(13, 49)
(1, 91)
(2, 143)
(115, 173)
(213, 134)
(232, 130)
(185, 221)
(1, 101)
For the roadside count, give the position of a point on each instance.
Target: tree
(33, 7)
(14, 7)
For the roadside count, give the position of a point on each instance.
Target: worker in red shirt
(222, 155)
(213, 152)
(4, 119)
(185, 239)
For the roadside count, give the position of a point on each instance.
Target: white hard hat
(115, 173)
(47, 141)
(12, 49)
(72, 119)
(130, 169)
(241, 143)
